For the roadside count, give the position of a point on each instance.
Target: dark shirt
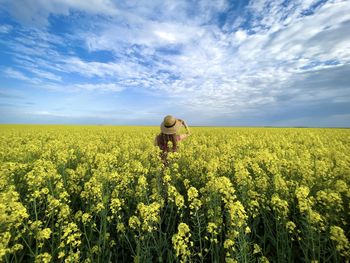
(161, 142)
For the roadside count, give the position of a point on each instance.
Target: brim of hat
(170, 130)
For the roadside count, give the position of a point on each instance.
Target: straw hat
(170, 125)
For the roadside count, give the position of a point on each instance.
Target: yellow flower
(61, 254)
(36, 225)
(290, 226)
(45, 190)
(16, 247)
(302, 193)
(279, 205)
(149, 215)
(175, 196)
(91, 178)
(257, 249)
(316, 219)
(64, 212)
(142, 186)
(120, 227)
(228, 244)
(263, 259)
(237, 214)
(330, 200)
(86, 217)
(181, 242)
(192, 194)
(71, 235)
(99, 207)
(134, 222)
(342, 243)
(4, 240)
(44, 234)
(95, 249)
(43, 258)
(179, 201)
(212, 228)
(166, 178)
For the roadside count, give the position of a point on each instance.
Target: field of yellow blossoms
(101, 194)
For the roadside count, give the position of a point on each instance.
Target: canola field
(101, 194)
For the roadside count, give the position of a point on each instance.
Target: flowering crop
(102, 194)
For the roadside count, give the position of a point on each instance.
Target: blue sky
(239, 63)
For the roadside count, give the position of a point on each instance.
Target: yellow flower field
(101, 194)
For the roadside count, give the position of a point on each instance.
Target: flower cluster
(181, 242)
(103, 194)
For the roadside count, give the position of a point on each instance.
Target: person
(169, 128)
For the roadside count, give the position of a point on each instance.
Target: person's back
(169, 127)
(164, 139)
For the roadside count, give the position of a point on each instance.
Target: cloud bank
(213, 62)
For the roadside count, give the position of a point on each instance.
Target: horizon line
(212, 126)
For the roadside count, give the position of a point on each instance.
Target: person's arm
(155, 141)
(184, 136)
(185, 125)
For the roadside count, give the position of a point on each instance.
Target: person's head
(170, 125)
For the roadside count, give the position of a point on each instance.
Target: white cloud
(169, 50)
(4, 29)
(147, 33)
(112, 116)
(166, 36)
(10, 72)
(18, 75)
(37, 12)
(90, 87)
(240, 35)
(99, 87)
(50, 114)
(45, 74)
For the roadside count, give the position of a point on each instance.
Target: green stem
(36, 219)
(127, 239)
(200, 237)
(31, 251)
(87, 241)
